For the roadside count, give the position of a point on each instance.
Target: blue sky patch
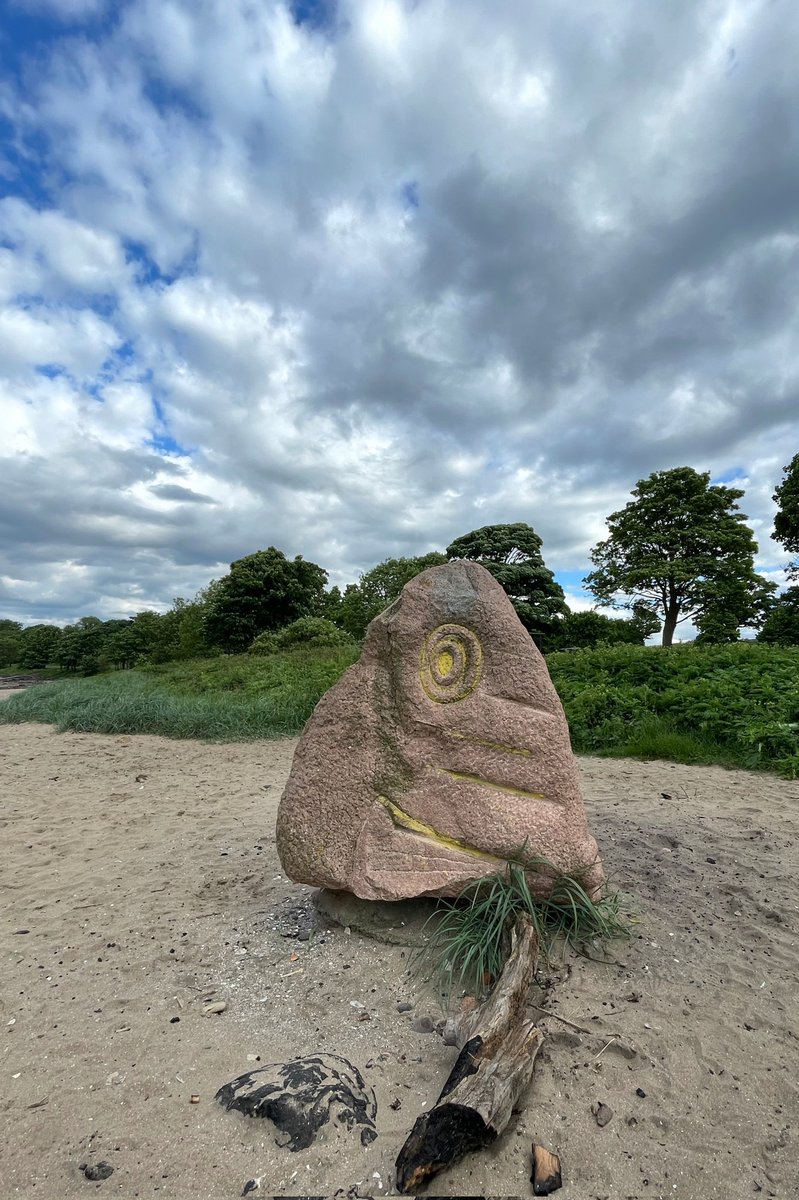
(410, 194)
(161, 439)
(164, 443)
(731, 475)
(147, 269)
(319, 14)
(570, 581)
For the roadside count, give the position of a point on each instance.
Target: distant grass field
(735, 706)
(236, 698)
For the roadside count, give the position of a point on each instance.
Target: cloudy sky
(354, 278)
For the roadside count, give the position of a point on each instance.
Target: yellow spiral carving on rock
(451, 663)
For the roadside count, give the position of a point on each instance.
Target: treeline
(679, 550)
(268, 602)
(92, 645)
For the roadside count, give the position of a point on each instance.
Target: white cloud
(77, 341)
(70, 254)
(355, 290)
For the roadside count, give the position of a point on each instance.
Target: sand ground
(140, 882)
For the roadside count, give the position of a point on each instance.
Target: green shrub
(307, 631)
(265, 643)
(737, 705)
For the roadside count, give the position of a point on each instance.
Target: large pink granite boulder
(438, 756)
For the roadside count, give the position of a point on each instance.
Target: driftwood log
(495, 1065)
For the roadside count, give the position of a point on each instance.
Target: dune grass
(469, 938)
(734, 706)
(655, 737)
(237, 698)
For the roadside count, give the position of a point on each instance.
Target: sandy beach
(140, 886)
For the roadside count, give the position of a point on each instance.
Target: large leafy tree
(85, 646)
(746, 605)
(39, 646)
(786, 522)
(10, 642)
(180, 633)
(586, 629)
(512, 553)
(683, 548)
(79, 644)
(136, 640)
(330, 605)
(782, 624)
(262, 591)
(379, 587)
(354, 614)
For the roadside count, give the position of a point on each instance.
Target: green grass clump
(469, 939)
(238, 698)
(654, 737)
(735, 705)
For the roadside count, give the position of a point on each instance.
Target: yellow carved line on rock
(439, 649)
(406, 821)
(445, 662)
(464, 777)
(476, 741)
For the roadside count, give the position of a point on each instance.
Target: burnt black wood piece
(301, 1096)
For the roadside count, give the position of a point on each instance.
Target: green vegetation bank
(734, 705)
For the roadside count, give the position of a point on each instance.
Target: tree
(782, 624)
(133, 641)
(682, 547)
(382, 585)
(264, 590)
(354, 613)
(10, 642)
(330, 605)
(181, 632)
(84, 646)
(512, 553)
(786, 522)
(69, 652)
(378, 588)
(746, 605)
(39, 645)
(585, 629)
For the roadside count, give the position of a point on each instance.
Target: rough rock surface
(437, 756)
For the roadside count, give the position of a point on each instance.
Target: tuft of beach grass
(468, 939)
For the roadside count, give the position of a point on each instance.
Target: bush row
(742, 699)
